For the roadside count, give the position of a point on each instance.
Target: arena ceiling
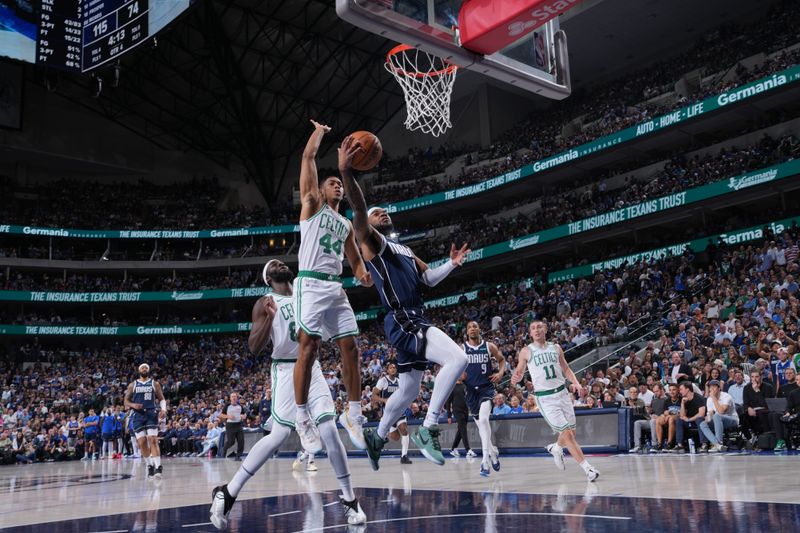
(238, 80)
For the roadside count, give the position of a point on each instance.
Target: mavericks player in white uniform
(274, 317)
(548, 367)
(323, 310)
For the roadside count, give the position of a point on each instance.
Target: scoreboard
(82, 35)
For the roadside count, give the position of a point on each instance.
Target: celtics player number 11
(549, 371)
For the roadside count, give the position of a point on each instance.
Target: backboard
(537, 62)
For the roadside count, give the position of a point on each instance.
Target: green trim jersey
(544, 366)
(284, 329)
(322, 239)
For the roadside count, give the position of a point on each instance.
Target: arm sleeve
(434, 276)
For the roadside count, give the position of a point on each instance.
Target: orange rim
(405, 48)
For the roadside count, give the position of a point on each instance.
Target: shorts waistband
(284, 360)
(318, 275)
(550, 391)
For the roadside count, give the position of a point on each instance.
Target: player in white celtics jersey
(273, 318)
(323, 310)
(548, 369)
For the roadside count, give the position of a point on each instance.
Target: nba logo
(538, 49)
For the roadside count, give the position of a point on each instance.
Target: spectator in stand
(91, 431)
(693, 410)
(755, 403)
(640, 417)
(658, 418)
(679, 370)
(721, 413)
(500, 406)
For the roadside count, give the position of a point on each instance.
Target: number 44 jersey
(544, 366)
(322, 239)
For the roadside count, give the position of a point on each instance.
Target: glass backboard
(537, 62)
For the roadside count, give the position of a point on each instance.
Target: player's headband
(264, 275)
(372, 210)
(143, 367)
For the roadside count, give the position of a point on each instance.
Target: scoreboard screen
(80, 35)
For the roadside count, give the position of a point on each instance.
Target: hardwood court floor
(635, 492)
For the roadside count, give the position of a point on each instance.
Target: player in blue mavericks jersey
(397, 274)
(383, 390)
(141, 396)
(480, 384)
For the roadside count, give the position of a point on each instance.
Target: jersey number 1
(549, 372)
(327, 245)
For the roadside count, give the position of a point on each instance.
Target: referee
(232, 416)
(456, 407)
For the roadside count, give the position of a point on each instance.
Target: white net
(427, 83)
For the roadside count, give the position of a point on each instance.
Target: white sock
(586, 466)
(407, 390)
(443, 351)
(485, 431)
(157, 461)
(353, 409)
(558, 448)
(404, 440)
(337, 457)
(301, 413)
(257, 456)
(149, 460)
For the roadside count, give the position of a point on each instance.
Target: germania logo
(142, 330)
(757, 88)
(516, 244)
(753, 179)
(181, 296)
(229, 232)
(27, 230)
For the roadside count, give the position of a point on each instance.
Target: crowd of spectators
(679, 174)
(735, 313)
(132, 281)
(192, 205)
(627, 100)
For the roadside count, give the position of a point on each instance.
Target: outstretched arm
(309, 186)
(368, 236)
(433, 276)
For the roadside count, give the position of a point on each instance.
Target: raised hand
(458, 256)
(323, 127)
(347, 150)
(270, 306)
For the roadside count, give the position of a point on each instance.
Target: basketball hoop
(427, 82)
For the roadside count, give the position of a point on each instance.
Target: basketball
(371, 150)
